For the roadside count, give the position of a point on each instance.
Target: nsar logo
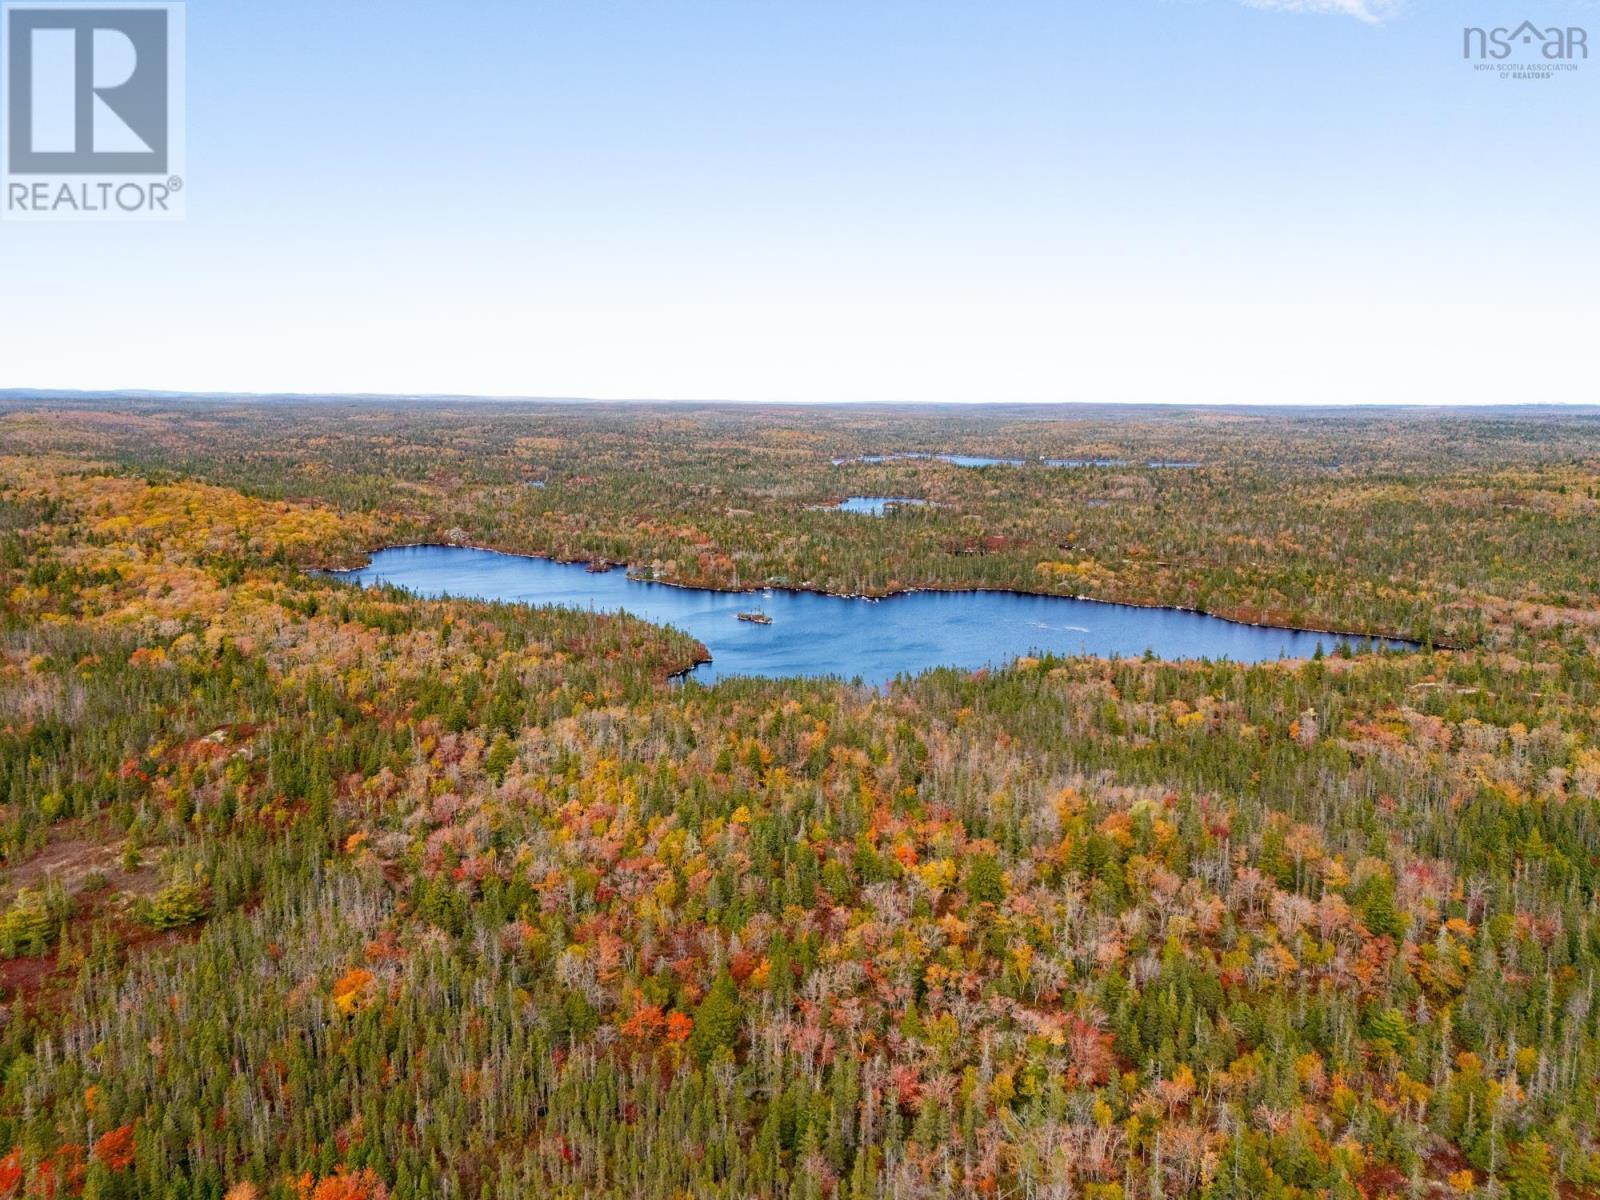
(1554, 44)
(93, 110)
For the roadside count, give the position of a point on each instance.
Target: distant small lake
(876, 506)
(818, 635)
(957, 460)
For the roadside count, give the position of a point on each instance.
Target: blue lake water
(957, 460)
(830, 635)
(876, 506)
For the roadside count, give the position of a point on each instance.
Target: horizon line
(245, 397)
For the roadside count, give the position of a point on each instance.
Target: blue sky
(1141, 200)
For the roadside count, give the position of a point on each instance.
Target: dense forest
(322, 893)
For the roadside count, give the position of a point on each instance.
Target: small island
(755, 618)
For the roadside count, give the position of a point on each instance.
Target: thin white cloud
(1371, 11)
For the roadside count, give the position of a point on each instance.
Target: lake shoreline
(950, 589)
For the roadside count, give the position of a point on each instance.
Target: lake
(810, 634)
(955, 460)
(876, 506)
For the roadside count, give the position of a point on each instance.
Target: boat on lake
(756, 618)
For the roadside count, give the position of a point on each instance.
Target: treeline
(1439, 528)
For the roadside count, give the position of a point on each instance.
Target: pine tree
(716, 1021)
(500, 757)
(986, 882)
(1529, 1175)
